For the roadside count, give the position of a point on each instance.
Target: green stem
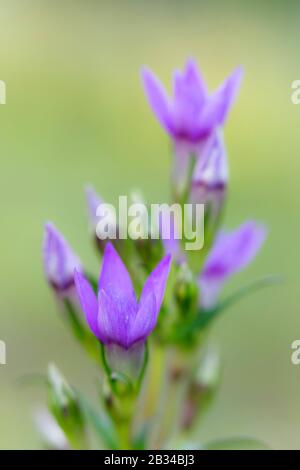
(124, 432)
(121, 400)
(180, 367)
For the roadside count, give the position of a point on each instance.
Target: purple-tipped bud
(209, 181)
(231, 252)
(59, 261)
(99, 211)
(116, 317)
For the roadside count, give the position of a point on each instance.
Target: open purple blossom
(231, 252)
(116, 317)
(59, 261)
(192, 114)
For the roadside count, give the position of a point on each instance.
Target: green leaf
(101, 424)
(206, 316)
(244, 291)
(238, 443)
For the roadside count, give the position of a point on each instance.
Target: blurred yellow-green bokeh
(76, 114)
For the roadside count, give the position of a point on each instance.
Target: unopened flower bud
(59, 262)
(209, 183)
(65, 407)
(186, 290)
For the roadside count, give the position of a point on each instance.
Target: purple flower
(59, 261)
(192, 114)
(116, 317)
(231, 252)
(212, 170)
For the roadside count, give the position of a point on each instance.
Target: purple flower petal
(218, 105)
(114, 278)
(194, 80)
(88, 301)
(228, 92)
(231, 252)
(157, 98)
(173, 248)
(189, 97)
(234, 250)
(145, 319)
(59, 259)
(114, 319)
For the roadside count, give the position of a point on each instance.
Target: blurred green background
(76, 113)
